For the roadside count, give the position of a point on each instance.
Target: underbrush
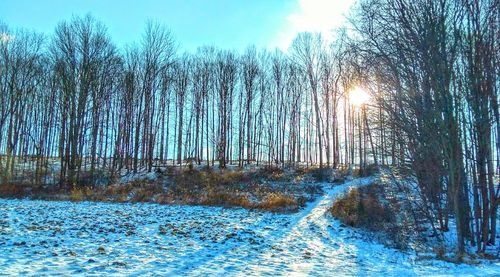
(280, 202)
(316, 174)
(12, 190)
(360, 207)
(247, 189)
(390, 214)
(269, 188)
(368, 170)
(135, 191)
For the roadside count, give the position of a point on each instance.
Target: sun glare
(358, 97)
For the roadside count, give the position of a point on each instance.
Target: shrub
(346, 208)
(146, 191)
(369, 170)
(278, 201)
(340, 173)
(342, 170)
(12, 190)
(316, 173)
(227, 200)
(361, 208)
(77, 195)
(190, 166)
(321, 174)
(97, 195)
(270, 172)
(118, 190)
(440, 251)
(228, 178)
(164, 198)
(170, 171)
(142, 195)
(159, 172)
(121, 198)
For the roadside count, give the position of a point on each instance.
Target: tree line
(77, 99)
(74, 107)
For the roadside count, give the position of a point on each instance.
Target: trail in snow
(47, 238)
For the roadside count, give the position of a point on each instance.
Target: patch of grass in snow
(255, 189)
(12, 190)
(360, 207)
(442, 254)
(227, 199)
(280, 202)
(77, 194)
(146, 191)
(270, 188)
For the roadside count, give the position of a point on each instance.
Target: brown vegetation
(12, 190)
(360, 207)
(266, 188)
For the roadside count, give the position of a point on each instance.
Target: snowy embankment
(41, 237)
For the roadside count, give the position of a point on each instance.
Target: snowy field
(93, 239)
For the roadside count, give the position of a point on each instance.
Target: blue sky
(222, 23)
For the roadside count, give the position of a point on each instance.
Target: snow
(49, 238)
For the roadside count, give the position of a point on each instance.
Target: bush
(142, 195)
(346, 208)
(361, 208)
(369, 170)
(170, 171)
(12, 190)
(164, 198)
(118, 190)
(227, 200)
(278, 202)
(317, 174)
(190, 166)
(146, 191)
(321, 174)
(271, 202)
(270, 172)
(340, 173)
(77, 195)
(158, 171)
(226, 178)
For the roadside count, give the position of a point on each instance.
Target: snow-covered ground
(49, 238)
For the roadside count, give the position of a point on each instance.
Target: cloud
(313, 16)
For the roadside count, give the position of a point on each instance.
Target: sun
(358, 97)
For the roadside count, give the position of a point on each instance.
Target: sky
(228, 24)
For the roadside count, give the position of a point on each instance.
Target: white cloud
(313, 16)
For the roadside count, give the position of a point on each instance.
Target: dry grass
(80, 194)
(361, 208)
(274, 202)
(271, 173)
(279, 202)
(267, 188)
(227, 200)
(146, 191)
(135, 191)
(229, 189)
(11, 190)
(323, 174)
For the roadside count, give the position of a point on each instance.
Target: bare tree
(306, 49)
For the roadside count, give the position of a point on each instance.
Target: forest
(407, 85)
